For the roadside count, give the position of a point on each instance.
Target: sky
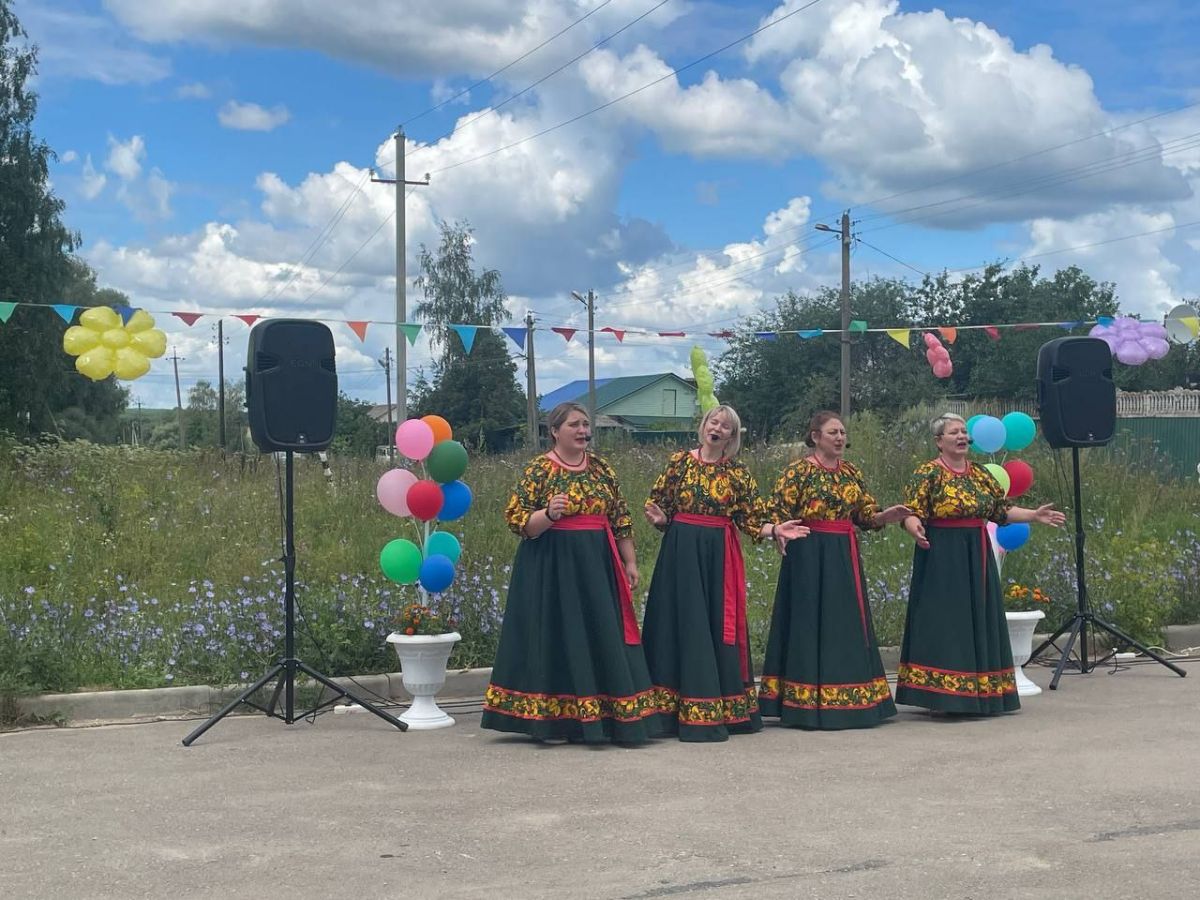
(216, 157)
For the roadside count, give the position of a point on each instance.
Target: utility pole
(221, 385)
(590, 303)
(531, 402)
(386, 362)
(401, 277)
(845, 375)
(178, 399)
(136, 433)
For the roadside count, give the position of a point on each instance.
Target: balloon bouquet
(440, 495)
(1013, 433)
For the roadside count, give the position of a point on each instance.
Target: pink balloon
(997, 550)
(414, 439)
(943, 368)
(392, 491)
(930, 341)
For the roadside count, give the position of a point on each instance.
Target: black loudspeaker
(291, 385)
(1076, 394)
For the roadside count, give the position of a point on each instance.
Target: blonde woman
(695, 632)
(955, 657)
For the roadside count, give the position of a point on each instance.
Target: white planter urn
(1020, 636)
(423, 660)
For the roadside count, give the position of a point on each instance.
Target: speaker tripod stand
(284, 672)
(1084, 618)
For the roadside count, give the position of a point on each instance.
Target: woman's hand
(1046, 514)
(897, 513)
(557, 507)
(654, 514)
(916, 528)
(631, 572)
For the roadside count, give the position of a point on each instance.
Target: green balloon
(446, 461)
(1019, 430)
(400, 561)
(443, 543)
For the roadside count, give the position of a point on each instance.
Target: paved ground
(1089, 792)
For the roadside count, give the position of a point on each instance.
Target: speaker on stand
(291, 399)
(1077, 403)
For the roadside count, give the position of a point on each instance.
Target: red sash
(624, 595)
(734, 617)
(846, 527)
(981, 525)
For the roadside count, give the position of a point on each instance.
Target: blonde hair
(939, 424)
(735, 423)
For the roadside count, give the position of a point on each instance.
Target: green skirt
(822, 668)
(563, 669)
(956, 657)
(695, 672)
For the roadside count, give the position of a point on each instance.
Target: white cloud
(251, 116)
(194, 90)
(73, 44)
(92, 182)
(69, 157)
(125, 158)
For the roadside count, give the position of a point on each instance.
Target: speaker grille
(1076, 395)
(291, 389)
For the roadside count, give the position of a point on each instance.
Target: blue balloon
(1010, 537)
(988, 434)
(971, 422)
(437, 573)
(456, 501)
(443, 543)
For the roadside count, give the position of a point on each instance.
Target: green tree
(357, 434)
(39, 389)
(477, 393)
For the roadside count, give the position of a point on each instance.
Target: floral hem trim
(797, 694)
(709, 710)
(958, 684)
(559, 707)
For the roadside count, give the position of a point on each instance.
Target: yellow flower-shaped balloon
(103, 345)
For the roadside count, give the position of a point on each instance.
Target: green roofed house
(643, 406)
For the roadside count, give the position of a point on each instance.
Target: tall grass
(131, 568)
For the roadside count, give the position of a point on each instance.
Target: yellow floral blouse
(808, 490)
(934, 492)
(723, 488)
(591, 491)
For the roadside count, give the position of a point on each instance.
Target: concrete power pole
(531, 402)
(401, 277)
(221, 385)
(590, 303)
(844, 233)
(178, 398)
(386, 362)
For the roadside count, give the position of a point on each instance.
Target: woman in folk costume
(955, 657)
(822, 667)
(570, 662)
(697, 646)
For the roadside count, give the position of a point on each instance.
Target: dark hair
(560, 414)
(817, 422)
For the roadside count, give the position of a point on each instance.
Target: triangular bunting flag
(466, 334)
(766, 335)
(1104, 320)
(517, 334)
(1025, 326)
(359, 328)
(810, 333)
(618, 334)
(1069, 326)
(65, 310)
(992, 331)
(899, 335)
(248, 318)
(188, 318)
(858, 325)
(950, 334)
(721, 334)
(672, 334)
(567, 333)
(6, 310)
(1192, 323)
(125, 312)
(410, 331)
